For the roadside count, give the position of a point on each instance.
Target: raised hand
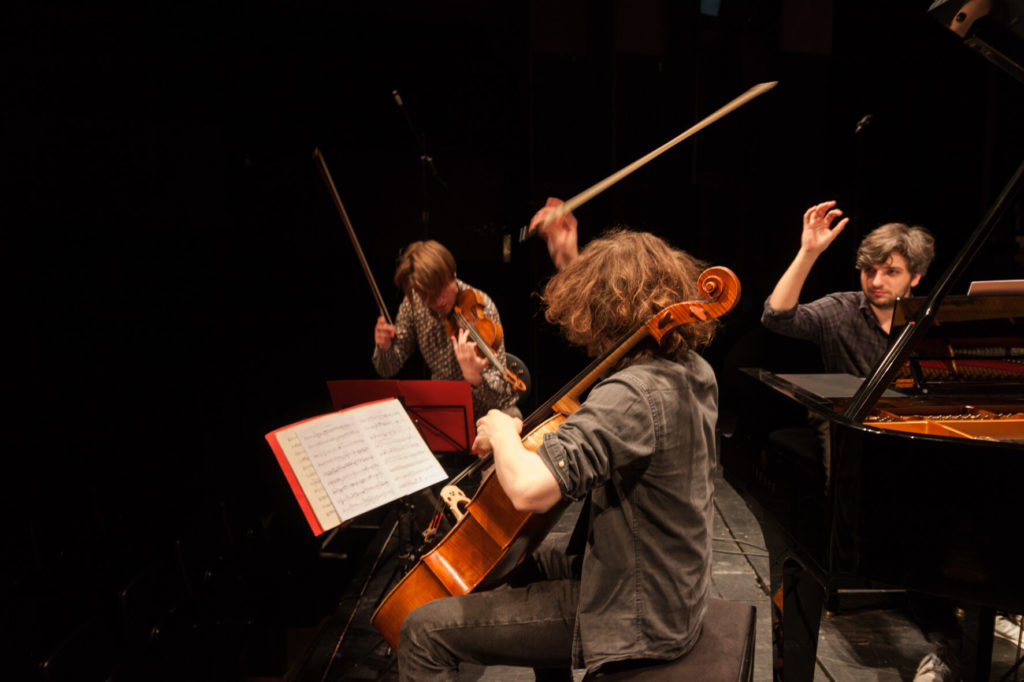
(560, 233)
(820, 227)
(820, 230)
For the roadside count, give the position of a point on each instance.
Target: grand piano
(910, 478)
(919, 485)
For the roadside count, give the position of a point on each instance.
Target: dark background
(180, 283)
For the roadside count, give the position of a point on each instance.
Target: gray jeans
(529, 626)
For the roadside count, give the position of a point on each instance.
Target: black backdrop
(181, 285)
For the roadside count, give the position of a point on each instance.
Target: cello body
(490, 540)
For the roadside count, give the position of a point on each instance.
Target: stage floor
(871, 638)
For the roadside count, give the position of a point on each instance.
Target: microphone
(863, 123)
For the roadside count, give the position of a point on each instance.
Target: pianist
(850, 327)
(852, 330)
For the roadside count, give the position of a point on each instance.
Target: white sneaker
(934, 669)
(1008, 627)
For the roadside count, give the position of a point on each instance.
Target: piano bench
(724, 652)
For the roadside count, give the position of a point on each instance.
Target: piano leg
(796, 632)
(976, 656)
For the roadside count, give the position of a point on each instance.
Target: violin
(469, 314)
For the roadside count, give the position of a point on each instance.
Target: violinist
(426, 273)
(640, 451)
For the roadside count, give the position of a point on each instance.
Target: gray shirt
(642, 446)
(843, 326)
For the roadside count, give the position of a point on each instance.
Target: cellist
(426, 274)
(640, 451)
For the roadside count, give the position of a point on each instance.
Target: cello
(491, 537)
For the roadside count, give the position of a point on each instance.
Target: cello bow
(598, 187)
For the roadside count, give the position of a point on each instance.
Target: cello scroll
(721, 287)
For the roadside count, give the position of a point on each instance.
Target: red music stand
(441, 410)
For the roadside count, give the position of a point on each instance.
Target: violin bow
(326, 174)
(592, 191)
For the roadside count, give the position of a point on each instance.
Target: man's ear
(914, 280)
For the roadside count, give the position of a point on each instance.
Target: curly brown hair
(616, 284)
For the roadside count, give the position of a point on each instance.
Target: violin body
(469, 313)
(478, 553)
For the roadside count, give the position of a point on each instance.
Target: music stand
(441, 410)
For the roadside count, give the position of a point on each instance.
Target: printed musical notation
(367, 456)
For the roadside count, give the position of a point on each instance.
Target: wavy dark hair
(915, 243)
(616, 284)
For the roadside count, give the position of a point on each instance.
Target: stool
(724, 652)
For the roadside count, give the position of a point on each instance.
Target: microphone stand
(860, 133)
(427, 169)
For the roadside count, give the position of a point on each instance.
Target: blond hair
(424, 267)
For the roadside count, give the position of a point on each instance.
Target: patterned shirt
(419, 326)
(842, 324)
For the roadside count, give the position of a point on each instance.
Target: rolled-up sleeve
(613, 429)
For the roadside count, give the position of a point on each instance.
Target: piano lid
(993, 28)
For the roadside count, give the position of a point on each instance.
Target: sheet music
(995, 287)
(368, 456)
(308, 479)
(830, 386)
